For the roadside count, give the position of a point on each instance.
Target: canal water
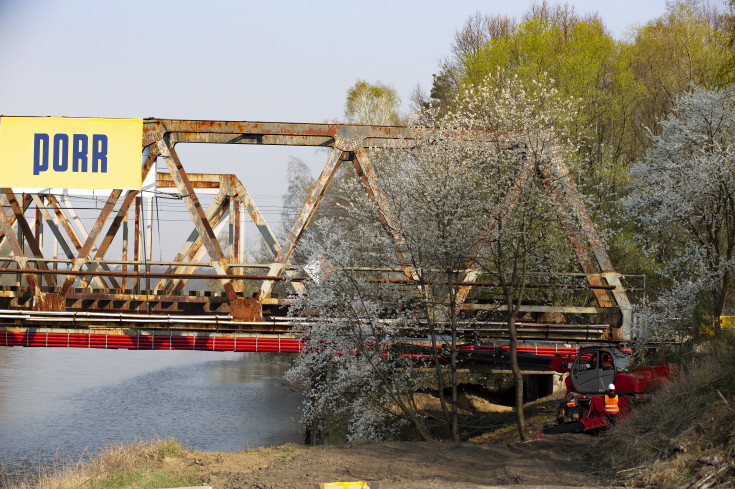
(58, 402)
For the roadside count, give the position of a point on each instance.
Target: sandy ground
(548, 462)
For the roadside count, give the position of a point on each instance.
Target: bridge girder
(349, 143)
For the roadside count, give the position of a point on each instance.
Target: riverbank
(549, 462)
(489, 458)
(681, 438)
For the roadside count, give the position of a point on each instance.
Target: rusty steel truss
(87, 284)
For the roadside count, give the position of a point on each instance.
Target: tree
(726, 74)
(520, 238)
(587, 64)
(624, 87)
(683, 194)
(687, 45)
(432, 212)
(420, 237)
(353, 374)
(372, 104)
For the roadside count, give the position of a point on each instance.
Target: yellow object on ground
(346, 485)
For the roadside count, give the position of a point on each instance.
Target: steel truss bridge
(52, 300)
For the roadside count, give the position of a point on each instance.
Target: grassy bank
(684, 437)
(139, 464)
(152, 465)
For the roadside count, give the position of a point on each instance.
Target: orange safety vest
(572, 402)
(611, 404)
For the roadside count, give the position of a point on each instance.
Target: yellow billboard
(65, 152)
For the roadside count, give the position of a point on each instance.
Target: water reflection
(77, 399)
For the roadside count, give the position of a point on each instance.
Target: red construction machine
(591, 372)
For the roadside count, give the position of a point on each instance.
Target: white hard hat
(611, 387)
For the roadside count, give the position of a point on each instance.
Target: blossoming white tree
(459, 203)
(683, 194)
(521, 234)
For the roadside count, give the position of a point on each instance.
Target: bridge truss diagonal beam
(89, 242)
(563, 196)
(27, 233)
(119, 218)
(17, 251)
(189, 250)
(197, 215)
(307, 212)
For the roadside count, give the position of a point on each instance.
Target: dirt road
(549, 462)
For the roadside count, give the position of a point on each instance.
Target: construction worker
(611, 405)
(570, 404)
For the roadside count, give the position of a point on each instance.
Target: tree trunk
(439, 373)
(721, 294)
(517, 376)
(420, 428)
(455, 416)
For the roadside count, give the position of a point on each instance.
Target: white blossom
(683, 194)
(442, 210)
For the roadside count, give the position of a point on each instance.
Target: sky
(286, 61)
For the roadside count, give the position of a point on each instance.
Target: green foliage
(687, 46)
(372, 104)
(586, 64)
(726, 74)
(140, 464)
(168, 448)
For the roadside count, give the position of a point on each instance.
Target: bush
(692, 417)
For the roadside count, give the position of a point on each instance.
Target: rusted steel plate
(198, 180)
(49, 302)
(246, 310)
